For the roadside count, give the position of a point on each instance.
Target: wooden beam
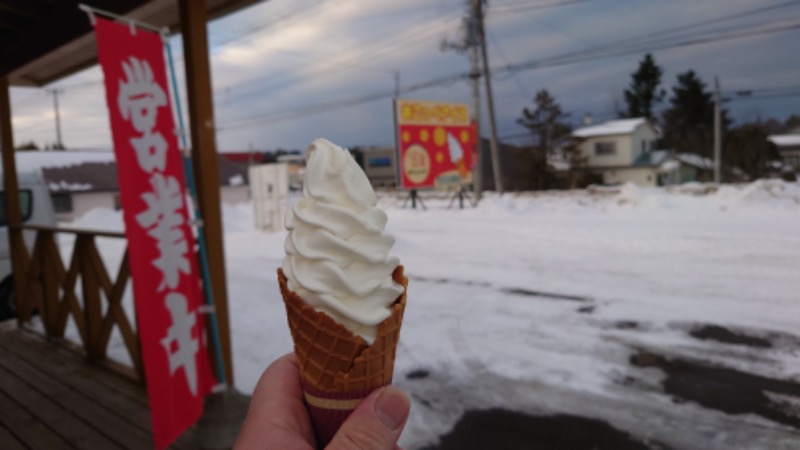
(204, 160)
(16, 244)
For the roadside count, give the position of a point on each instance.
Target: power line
(519, 7)
(513, 68)
(282, 18)
(336, 104)
(602, 53)
(513, 76)
(764, 96)
(344, 62)
(570, 58)
(636, 41)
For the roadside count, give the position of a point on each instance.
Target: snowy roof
(35, 161)
(86, 176)
(695, 160)
(74, 171)
(785, 140)
(612, 127)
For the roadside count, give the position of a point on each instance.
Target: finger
(376, 424)
(277, 417)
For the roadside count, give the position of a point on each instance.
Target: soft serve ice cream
(337, 252)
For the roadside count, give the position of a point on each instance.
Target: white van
(37, 208)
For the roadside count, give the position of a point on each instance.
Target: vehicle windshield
(25, 206)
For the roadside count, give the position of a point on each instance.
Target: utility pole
(474, 78)
(717, 133)
(472, 41)
(396, 84)
(498, 180)
(54, 92)
(469, 42)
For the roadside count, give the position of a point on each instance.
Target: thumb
(376, 423)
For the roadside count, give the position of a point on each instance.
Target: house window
(383, 161)
(62, 203)
(25, 205)
(644, 146)
(605, 148)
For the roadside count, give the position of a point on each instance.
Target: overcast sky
(278, 65)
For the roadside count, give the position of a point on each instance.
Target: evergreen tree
(792, 124)
(644, 92)
(544, 122)
(748, 149)
(573, 156)
(689, 122)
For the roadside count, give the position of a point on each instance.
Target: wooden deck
(51, 398)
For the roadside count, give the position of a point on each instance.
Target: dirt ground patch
(728, 390)
(500, 429)
(722, 334)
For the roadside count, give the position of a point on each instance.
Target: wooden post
(92, 304)
(16, 243)
(204, 160)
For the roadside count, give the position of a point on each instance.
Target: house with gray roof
(624, 150)
(789, 148)
(80, 181)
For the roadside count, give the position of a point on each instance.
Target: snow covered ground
(536, 303)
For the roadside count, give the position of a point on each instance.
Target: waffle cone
(338, 368)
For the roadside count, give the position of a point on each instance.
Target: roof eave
(79, 49)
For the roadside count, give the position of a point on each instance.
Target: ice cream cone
(338, 368)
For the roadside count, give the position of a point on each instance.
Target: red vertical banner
(161, 251)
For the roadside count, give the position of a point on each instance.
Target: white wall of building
(270, 189)
(645, 176)
(232, 195)
(83, 202)
(628, 147)
(620, 157)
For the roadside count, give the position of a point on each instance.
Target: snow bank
(761, 194)
(536, 301)
(238, 218)
(101, 219)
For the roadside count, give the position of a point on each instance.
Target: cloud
(280, 56)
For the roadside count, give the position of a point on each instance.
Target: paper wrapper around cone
(338, 369)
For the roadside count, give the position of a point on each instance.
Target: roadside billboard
(435, 144)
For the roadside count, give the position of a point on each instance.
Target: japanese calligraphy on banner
(166, 285)
(436, 144)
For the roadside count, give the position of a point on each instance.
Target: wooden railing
(51, 288)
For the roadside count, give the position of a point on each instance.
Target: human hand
(277, 418)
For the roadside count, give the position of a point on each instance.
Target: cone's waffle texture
(337, 367)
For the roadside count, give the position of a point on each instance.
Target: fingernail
(391, 407)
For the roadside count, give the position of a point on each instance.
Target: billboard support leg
(414, 197)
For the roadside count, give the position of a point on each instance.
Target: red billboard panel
(436, 144)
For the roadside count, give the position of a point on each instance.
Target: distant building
(379, 164)
(80, 181)
(621, 151)
(246, 157)
(297, 168)
(789, 148)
